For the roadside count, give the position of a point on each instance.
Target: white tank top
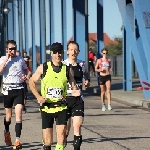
(81, 63)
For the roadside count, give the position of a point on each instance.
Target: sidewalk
(133, 97)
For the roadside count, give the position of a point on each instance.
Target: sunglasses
(12, 48)
(57, 51)
(104, 53)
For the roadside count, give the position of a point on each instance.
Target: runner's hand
(111, 69)
(8, 54)
(76, 93)
(24, 77)
(41, 99)
(86, 84)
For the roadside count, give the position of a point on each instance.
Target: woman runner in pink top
(103, 66)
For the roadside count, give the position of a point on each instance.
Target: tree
(115, 49)
(94, 47)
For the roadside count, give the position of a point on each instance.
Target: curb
(139, 102)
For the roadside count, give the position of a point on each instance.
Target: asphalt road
(126, 127)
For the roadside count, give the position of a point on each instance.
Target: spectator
(91, 60)
(18, 53)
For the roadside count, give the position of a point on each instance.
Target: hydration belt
(54, 104)
(19, 84)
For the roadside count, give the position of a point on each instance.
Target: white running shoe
(109, 107)
(103, 107)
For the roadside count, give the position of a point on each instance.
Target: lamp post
(5, 12)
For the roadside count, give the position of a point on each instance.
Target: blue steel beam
(47, 8)
(42, 32)
(64, 25)
(125, 60)
(100, 38)
(79, 26)
(141, 50)
(127, 64)
(52, 34)
(127, 52)
(50, 22)
(124, 68)
(20, 27)
(5, 23)
(2, 29)
(127, 56)
(86, 36)
(10, 21)
(16, 23)
(136, 36)
(137, 55)
(28, 26)
(34, 53)
(142, 14)
(23, 25)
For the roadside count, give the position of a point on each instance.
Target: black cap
(56, 46)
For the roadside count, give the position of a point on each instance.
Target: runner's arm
(35, 77)
(97, 67)
(2, 64)
(86, 74)
(71, 80)
(110, 68)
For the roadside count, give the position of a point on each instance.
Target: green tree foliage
(115, 49)
(94, 47)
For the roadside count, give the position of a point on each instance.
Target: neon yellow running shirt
(54, 87)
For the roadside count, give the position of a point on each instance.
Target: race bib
(105, 64)
(54, 93)
(79, 85)
(5, 89)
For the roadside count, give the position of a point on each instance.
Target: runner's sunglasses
(12, 48)
(57, 51)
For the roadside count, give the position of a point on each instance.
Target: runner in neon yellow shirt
(54, 77)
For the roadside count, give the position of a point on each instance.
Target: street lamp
(6, 10)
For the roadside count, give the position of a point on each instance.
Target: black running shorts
(48, 119)
(104, 79)
(15, 96)
(75, 106)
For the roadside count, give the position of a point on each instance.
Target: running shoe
(17, 145)
(109, 107)
(7, 139)
(103, 107)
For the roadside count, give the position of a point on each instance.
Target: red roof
(93, 39)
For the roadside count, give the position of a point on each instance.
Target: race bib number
(79, 85)
(54, 93)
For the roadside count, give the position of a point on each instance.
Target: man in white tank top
(75, 104)
(14, 72)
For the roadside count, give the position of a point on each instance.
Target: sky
(112, 18)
